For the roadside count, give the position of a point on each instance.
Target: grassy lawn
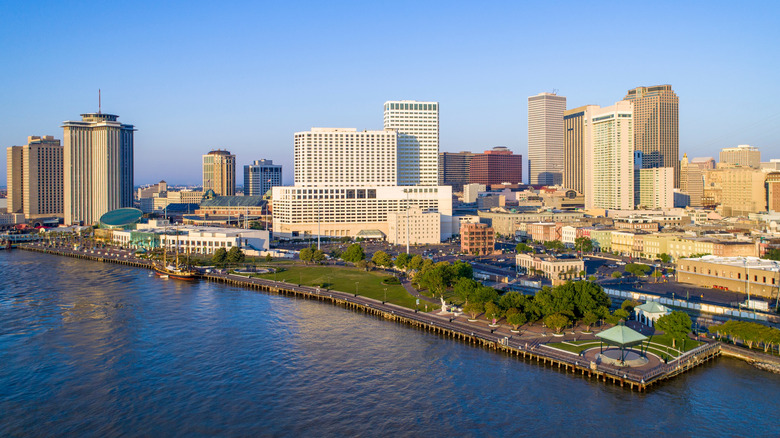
(658, 345)
(343, 279)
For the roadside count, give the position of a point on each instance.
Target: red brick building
(477, 239)
(496, 166)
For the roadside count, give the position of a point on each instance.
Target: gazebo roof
(622, 336)
(652, 307)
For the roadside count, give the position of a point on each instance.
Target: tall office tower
(35, 178)
(454, 169)
(345, 157)
(496, 166)
(638, 156)
(574, 147)
(545, 138)
(609, 158)
(417, 124)
(657, 188)
(97, 167)
(656, 127)
(260, 176)
(773, 191)
(743, 191)
(219, 172)
(691, 181)
(743, 156)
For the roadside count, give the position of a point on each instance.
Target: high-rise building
(345, 157)
(219, 172)
(417, 124)
(656, 126)
(97, 167)
(454, 169)
(574, 147)
(703, 163)
(545, 138)
(743, 155)
(743, 191)
(496, 166)
(609, 158)
(260, 176)
(691, 182)
(773, 191)
(35, 178)
(656, 188)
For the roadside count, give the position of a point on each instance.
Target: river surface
(94, 349)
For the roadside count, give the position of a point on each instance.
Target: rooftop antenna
(99, 102)
(555, 91)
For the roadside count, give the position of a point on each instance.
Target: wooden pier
(530, 351)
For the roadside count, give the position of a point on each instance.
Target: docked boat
(177, 271)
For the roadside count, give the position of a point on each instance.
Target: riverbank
(499, 338)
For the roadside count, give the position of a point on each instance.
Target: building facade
(35, 178)
(656, 188)
(545, 138)
(454, 169)
(743, 155)
(691, 182)
(550, 267)
(574, 147)
(219, 172)
(477, 239)
(742, 191)
(496, 166)
(609, 158)
(345, 157)
(260, 176)
(97, 167)
(752, 275)
(414, 227)
(417, 124)
(656, 126)
(773, 191)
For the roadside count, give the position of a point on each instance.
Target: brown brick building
(477, 239)
(496, 166)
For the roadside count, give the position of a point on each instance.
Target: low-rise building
(553, 268)
(542, 231)
(477, 239)
(414, 226)
(194, 240)
(752, 275)
(636, 223)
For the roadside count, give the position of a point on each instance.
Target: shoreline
(484, 337)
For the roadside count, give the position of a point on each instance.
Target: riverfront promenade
(528, 344)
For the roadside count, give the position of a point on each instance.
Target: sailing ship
(176, 270)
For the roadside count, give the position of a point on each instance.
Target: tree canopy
(676, 324)
(584, 244)
(749, 333)
(219, 257)
(637, 269)
(235, 255)
(354, 253)
(522, 247)
(382, 258)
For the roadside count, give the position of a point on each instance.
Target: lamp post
(385, 296)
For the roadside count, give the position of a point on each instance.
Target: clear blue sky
(245, 76)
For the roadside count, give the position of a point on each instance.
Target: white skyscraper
(260, 176)
(609, 158)
(417, 124)
(545, 138)
(97, 167)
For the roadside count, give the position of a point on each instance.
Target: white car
(620, 263)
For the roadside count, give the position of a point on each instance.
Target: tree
(616, 274)
(772, 254)
(556, 321)
(516, 319)
(522, 247)
(676, 324)
(465, 288)
(269, 258)
(591, 278)
(666, 258)
(637, 269)
(382, 258)
(353, 254)
(335, 253)
(305, 254)
(235, 255)
(474, 308)
(621, 314)
(219, 257)
(461, 269)
(415, 263)
(583, 244)
(628, 305)
(555, 300)
(362, 264)
(485, 294)
(318, 256)
(589, 319)
(554, 245)
(402, 260)
(512, 300)
(492, 311)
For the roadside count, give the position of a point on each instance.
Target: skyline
(194, 79)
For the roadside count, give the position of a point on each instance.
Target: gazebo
(622, 337)
(649, 312)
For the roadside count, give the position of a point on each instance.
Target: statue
(444, 310)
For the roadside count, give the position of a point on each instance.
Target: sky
(245, 76)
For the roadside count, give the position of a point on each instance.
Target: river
(97, 349)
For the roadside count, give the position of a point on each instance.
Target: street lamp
(385, 296)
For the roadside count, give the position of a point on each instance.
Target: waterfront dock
(443, 325)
